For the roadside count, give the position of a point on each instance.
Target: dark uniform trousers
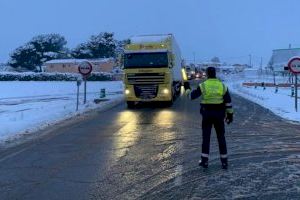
(213, 118)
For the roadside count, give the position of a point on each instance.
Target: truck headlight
(165, 91)
(127, 91)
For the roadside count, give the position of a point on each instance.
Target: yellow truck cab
(152, 67)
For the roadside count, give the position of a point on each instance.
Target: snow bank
(60, 61)
(26, 107)
(280, 103)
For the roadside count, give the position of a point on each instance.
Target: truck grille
(146, 78)
(146, 91)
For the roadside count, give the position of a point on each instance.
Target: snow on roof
(150, 38)
(251, 69)
(226, 67)
(64, 61)
(286, 49)
(209, 63)
(101, 59)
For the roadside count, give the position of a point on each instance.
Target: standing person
(215, 108)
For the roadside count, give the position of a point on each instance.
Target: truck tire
(130, 104)
(177, 87)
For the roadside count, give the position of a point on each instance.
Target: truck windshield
(145, 60)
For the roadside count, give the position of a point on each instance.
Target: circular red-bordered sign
(85, 68)
(294, 65)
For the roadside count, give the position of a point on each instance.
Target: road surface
(153, 153)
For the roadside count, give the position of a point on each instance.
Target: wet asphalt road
(152, 153)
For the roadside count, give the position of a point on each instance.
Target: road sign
(85, 68)
(294, 65)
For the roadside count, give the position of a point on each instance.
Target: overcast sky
(229, 29)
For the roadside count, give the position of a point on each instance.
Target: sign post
(84, 99)
(85, 68)
(296, 92)
(294, 67)
(77, 102)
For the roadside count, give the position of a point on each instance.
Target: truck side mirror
(171, 64)
(172, 60)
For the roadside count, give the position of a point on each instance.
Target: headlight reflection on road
(166, 131)
(126, 136)
(165, 118)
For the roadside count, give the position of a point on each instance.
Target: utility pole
(296, 92)
(260, 67)
(261, 64)
(250, 60)
(194, 55)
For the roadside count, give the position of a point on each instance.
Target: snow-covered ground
(29, 106)
(280, 103)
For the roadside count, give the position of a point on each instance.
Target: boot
(203, 162)
(224, 162)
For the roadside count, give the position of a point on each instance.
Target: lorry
(190, 71)
(152, 67)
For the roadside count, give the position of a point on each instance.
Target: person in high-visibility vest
(215, 108)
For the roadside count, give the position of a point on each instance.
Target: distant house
(5, 68)
(225, 69)
(280, 58)
(205, 65)
(71, 65)
(240, 67)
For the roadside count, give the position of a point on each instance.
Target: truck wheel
(130, 104)
(177, 88)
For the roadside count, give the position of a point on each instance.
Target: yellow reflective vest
(212, 91)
